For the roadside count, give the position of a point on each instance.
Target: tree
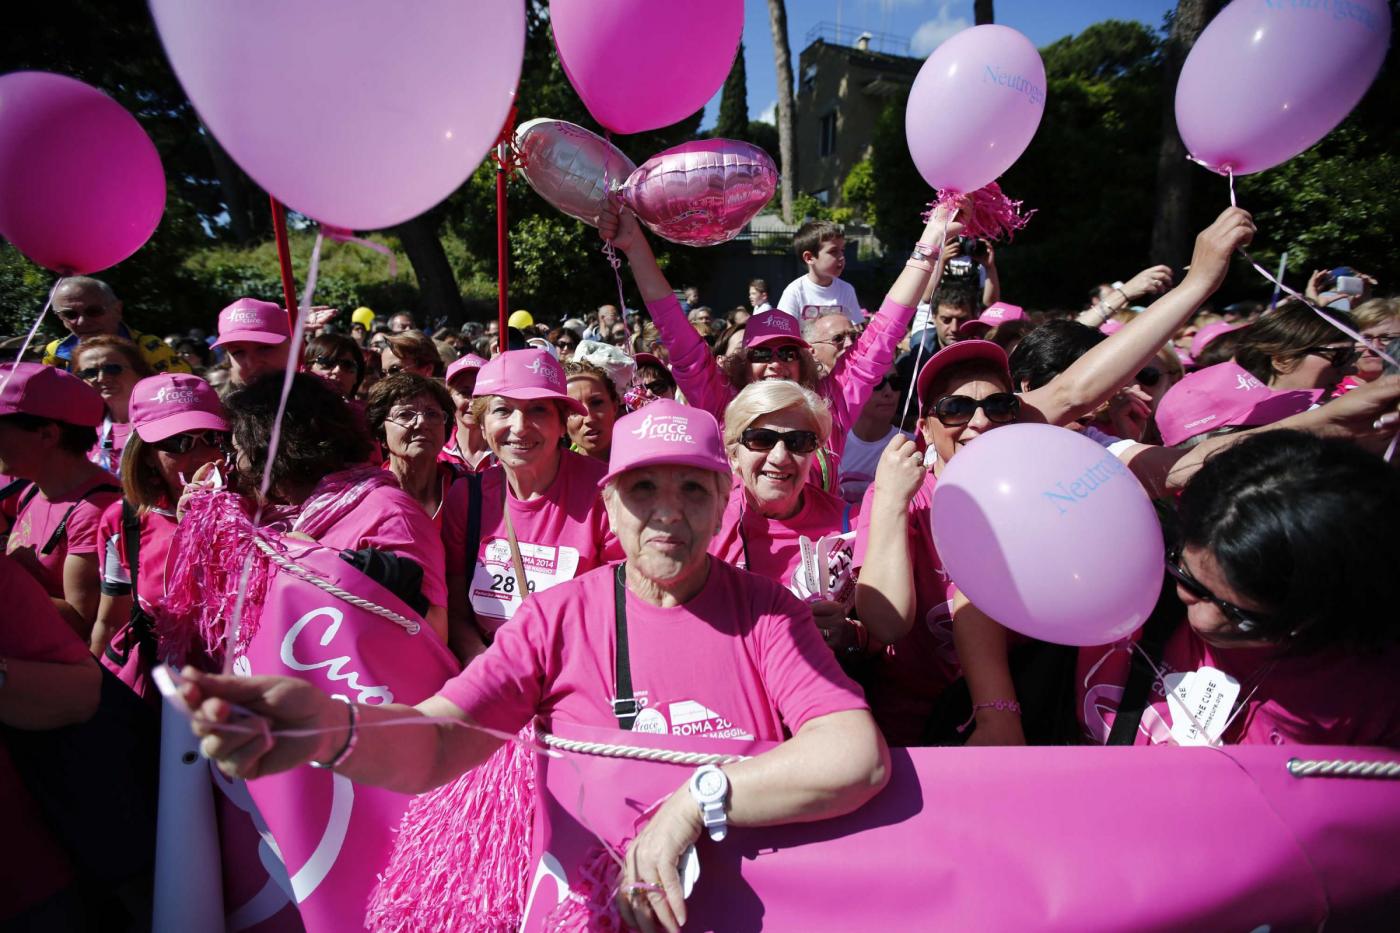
(982, 12)
(782, 60)
(733, 120)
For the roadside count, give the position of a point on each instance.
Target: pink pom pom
(986, 214)
(589, 906)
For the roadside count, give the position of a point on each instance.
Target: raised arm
(885, 599)
(1150, 281)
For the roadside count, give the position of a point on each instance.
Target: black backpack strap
(1137, 692)
(13, 488)
(131, 544)
(474, 482)
(62, 528)
(625, 705)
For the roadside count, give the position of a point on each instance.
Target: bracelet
(351, 739)
(926, 249)
(1008, 706)
(1127, 302)
(862, 638)
(918, 262)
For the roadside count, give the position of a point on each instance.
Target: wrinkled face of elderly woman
(664, 517)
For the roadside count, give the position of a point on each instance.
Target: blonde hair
(769, 396)
(1375, 311)
(142, 483)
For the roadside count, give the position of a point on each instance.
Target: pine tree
(733, 121)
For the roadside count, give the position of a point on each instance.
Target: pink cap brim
(249, 336)
(974, 326)
(767, 339)
(956, 353)
(698, 461)
(159, 429)
(525, 395)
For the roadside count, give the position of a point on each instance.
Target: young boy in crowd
(822, 246)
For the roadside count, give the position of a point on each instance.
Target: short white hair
(809, 325)
(773, 395)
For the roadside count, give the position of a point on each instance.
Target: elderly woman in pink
(531, 521)
(695, 629)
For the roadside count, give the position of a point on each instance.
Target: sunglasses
(1243, 621)
(566, 345)
(846, 339)
(1339, 357)
(408, 417)
(184, 443)
(658, 387)
(110, 370)
(329, 363)
(788, 354)
(891, 380)
(957, 410)
(77, 314)
(761, 440)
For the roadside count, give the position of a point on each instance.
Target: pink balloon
(359, 113)
(570, 167)
(1049, 534)
(702, 193)
(81, 185)
(643, 64)
(1268, 78)
(974, 107)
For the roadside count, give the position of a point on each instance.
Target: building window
(823, 197)
(809, 75)
(828, 140)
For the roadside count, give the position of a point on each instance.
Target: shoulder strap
(131, 543)
(29, 493)
(1160, 625)
(473, 520)
(14, 488)
(517, 564)
(625, 705)
(62, 528)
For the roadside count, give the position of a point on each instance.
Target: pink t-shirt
(111, 441)
(38, 520)
(742, 659)
(1327, 699)
(910, 674)
(157, 533)
(389, 519)
(561, 534)
(771, 547)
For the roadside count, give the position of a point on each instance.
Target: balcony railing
(850, 36)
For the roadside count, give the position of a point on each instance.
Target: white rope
(1342, 767)
(302, 573)
(607, 750)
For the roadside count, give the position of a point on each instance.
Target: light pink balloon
(81, 185)
(1049, 534)
(974, 107)
(570, 167)
(359, 113)
(1268, 78)
(703, 192)
(643, 64)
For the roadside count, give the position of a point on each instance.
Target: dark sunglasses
(184, 443)
(566, 345)
(761, 440)
(788, 354)
(891, 380)
(957, 410)
(106, 369)
(1244, 621)
(1339, 357)
(329, 363)
(658, 386)
(77, 314)
(1149, 376)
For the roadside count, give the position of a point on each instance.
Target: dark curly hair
(320, 432)
(399, 388)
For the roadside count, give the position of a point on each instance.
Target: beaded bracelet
(351, 739)
(1008, 706)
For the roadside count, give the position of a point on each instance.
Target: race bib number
(495, 594)
(827, 569)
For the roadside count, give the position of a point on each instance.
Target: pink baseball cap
(1223, 396)
(49, 392)
(773, 327)
(650, 359)
(462, 364)
(252, 321)
(996, 313)
(957, 353)
(1208, 333)
(173, 403)
(666, 432)
(526, 374)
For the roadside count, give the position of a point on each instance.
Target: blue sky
(922, 23)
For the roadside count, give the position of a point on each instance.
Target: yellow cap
(363, 316)
(521, 320)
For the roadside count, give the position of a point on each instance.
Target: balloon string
(932, 315)
(29, 338)
(341, 235)
(614, 260)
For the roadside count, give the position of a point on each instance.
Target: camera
(972, 248)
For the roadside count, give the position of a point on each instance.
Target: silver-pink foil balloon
(702, 193)
(570, 167)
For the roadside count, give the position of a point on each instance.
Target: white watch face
(710, 783)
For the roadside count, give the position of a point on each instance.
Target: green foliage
(858, 191)
(900, 192)
(733, 119)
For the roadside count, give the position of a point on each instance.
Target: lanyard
(625, 706)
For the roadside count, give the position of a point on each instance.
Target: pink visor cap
(252, 321)
(173, 403)
(996, 313)
(463, 364)
(1208, 333)
(526, 374)
(49, 392)
(773, 327)
(666, 432)
(960, 352)
(1225, 395)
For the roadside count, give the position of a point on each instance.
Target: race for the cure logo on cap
(673, 429)
(174, 395)
(1244, 382)
(541, 368)
(781, 321)
(245, 316)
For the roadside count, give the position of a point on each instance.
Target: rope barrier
(1343, 767)
(608, 750)
(296, 570)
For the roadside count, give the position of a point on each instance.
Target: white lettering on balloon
(334, 667)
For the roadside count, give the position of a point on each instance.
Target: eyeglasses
(73, 315)
(957, 410)
(1149, 376)
(184, 443)
(658, 386)
(395, 369)
(329, 363)
(566, 345)
(1339, 357)
(891, 380)
(409, 417)
(844, 339)
(1243, 621)
(788, 354)
(93, 373)
(761, 440)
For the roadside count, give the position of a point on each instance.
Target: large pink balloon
(702, 193)
(1049, 534)
(1268, 78)
(359, 113)
(570, 167)
(643, 64)
(81, 186)
(974, 107)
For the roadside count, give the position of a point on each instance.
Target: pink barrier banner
(1071, 839)
(334, 835)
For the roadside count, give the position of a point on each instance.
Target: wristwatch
(709, 786)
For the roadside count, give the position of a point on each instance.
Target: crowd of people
(654, 485)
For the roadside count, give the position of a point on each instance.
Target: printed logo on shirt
(690, 718)
(673, 429)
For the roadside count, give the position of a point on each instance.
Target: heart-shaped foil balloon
(702, 193)
(570, 167)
